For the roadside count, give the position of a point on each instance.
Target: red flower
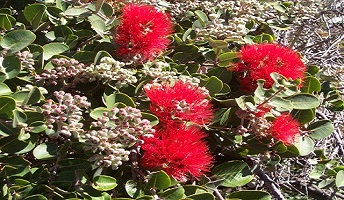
(180, 152)
(285, 128)
(260, 60)
(179, 102)
(142, 32)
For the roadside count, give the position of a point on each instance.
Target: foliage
(75, 112)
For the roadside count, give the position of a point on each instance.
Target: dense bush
(162, 100)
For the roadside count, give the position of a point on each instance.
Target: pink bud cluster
(65, 115)
(26, 60)
(108, 70)
(70, 72)
(114, 133)
(64, 69)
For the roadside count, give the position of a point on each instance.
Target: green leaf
(194, 189)
(213, 84)
(305, 145)
(104, 183)
(226, 58)
(249, 195)
(311, 84)
(7, 105)
(340, 179)
(225, 116)
(202, 17)
(304, 116)
(152, 118)
(5, 22)
(53, 48)
(292, 151)
(10, 68)
(158, 180)
(320, 129)
(45, 151)
(36, 197)
(312, 69)
(202, 196)
(113, 100)
(187, 48)
(6, 129)
(279, 102)
(85, 56)
(33, 97)
(318, 171)
(71, 164)
(172, 194)
(102, 7)
(304, 101)
(133, 189)
(18, 117)
(34, 14)
(98, 112)
(11, 144)
(62, 31)
(233, 173)
(38, 127)
(221, 73)
(218, 44)
(4, 89)
(99, 27)
(77, 11)
(100, 55)
(17, 40)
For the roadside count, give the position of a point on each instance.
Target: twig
(270, 185)
(218, 195)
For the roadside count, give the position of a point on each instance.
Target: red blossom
(142, 32)
(179, 102)
(285, 129)
(260, 60)
(180, 152)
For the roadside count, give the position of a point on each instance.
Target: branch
(269, 184)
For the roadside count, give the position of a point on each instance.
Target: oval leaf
(340, 179)
(233, 173)
(320, 129)
(10, 68)
(158, 180)
(172, 194)
(304, 101)
(36, 197)
(104, 183)
(17, 40)
(305, 145)
(214, 85)
(45, 151)
(54, 48)
(250, 195)
(7, 105)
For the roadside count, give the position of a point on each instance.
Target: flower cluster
(284, 128)
(177, 147)
(260, 60)
(180, 152)
(221, 26)
(65, 115)
(114, 133)
(179, 102)
(26, 59)
(142, 33)
(160, 72)
(108, 70)
(64, 70)
(70, 72)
